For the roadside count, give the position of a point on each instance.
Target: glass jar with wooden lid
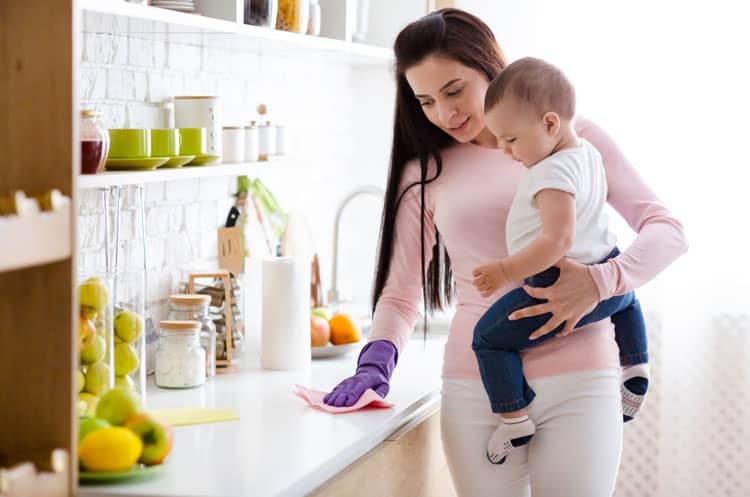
(180, 358)
(195, 307)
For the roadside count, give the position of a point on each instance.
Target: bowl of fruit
(333, 334)
(120, 441)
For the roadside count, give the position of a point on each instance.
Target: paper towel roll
(285, 337)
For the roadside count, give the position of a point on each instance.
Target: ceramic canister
(267, 140)
(233, 140)
(281, 140)
(252, 152)
(201, 112)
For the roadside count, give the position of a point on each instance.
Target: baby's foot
(633, 388)
(511, 433)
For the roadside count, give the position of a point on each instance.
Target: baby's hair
(536, 82)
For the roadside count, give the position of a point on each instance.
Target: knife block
(231, 254)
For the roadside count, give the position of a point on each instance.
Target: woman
(447, 200)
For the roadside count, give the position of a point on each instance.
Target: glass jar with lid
(94, 142)
(180, 357)
(293, 15)
(261, 13)
(194, 307)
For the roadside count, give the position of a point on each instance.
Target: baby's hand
(489, 278)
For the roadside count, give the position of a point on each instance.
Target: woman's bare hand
(573, 295)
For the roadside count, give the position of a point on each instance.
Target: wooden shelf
(121, 178)
(356, 53)
(35, 240)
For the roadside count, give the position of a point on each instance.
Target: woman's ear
(551, 123)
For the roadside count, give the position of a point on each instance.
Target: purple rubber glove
(374, 368)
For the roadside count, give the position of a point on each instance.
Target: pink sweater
(468, 204)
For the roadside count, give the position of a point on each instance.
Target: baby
(558, 211)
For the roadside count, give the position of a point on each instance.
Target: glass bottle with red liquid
(94, 142)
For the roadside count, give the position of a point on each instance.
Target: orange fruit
(344, 330)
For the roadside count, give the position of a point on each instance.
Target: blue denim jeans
(498, 340)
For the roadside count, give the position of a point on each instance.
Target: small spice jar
(180, 358)
(194, 307)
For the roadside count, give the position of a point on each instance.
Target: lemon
(109, 449)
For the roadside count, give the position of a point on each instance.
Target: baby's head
(529, 107)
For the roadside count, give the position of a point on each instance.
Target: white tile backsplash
(338, 120)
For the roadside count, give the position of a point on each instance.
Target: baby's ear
(551, 123)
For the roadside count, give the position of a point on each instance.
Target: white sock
(634, 386)
(511, 433)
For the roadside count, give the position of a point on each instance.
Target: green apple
(95, 352)
(88, 425)
(321, 312)
(126, 359)
(87, 404)
(97, 379)
(124, 382)
(118, 405)
(80, 380)
(86, 333)
(93, 293)
(157, 438)
(128, 326)
(89, 313)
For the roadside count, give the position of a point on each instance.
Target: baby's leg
(630, 334)
(496, 344)
(515, 430)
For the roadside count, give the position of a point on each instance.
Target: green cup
(193, 141)
(129, 143)
(165, 142)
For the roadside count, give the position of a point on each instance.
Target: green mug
(129, 143)
(165, 142)
(193, 141)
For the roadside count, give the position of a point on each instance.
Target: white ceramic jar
(180, 357)
(252, 150)
(281, 140)
(267, 140)
(233, 143)
(201, 112)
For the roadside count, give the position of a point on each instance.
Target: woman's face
(451, 95)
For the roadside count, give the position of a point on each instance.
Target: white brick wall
(129, 68)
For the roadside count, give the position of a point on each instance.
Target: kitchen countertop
(281, 447)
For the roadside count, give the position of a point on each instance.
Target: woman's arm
(397, 310)
(661, 239)
(659, 242)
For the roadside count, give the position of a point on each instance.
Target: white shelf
(36, 239)
(357, 53)
(121, 178)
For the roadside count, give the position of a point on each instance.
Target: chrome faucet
(333, 293)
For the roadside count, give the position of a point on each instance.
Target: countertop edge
(406, 419)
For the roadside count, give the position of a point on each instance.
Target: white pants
(575, 451)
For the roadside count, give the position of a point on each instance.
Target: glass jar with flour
(180, 357)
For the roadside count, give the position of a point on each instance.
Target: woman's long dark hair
(453, 34)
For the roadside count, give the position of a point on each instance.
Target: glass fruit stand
(112, 341)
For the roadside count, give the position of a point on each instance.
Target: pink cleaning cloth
(314, 398)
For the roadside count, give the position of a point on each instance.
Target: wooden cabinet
(411, 463)
(37, 137)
